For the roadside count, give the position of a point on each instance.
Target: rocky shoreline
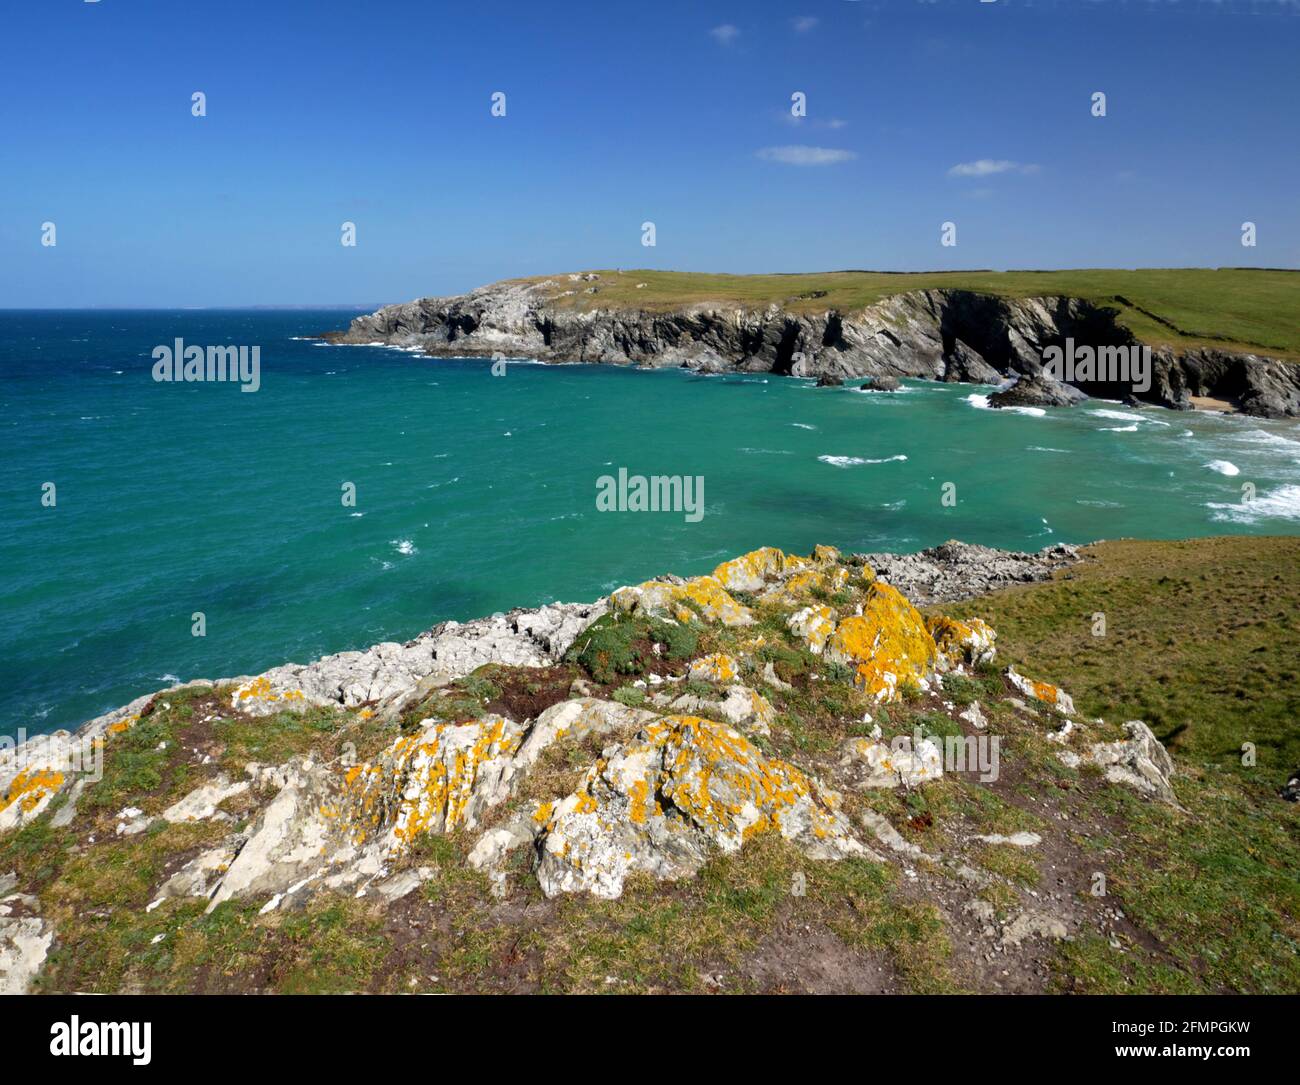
(689, 739)
(939, 334)
(388, 675)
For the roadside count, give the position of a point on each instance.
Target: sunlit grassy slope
(1234, 308)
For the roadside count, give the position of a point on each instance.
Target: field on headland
(1240, 309)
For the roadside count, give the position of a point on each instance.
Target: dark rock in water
(961, 363)
(886, 382)
(1292, 790)
(829, 380)
(1131, 400)
(1038, 390)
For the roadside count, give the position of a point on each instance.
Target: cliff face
(949, 335)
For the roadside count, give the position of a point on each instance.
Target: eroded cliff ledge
(936, 334)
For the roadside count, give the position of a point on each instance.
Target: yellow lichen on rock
(800, 586)
(751, 571)
(436, 781)
(718, 667)
(30, 787)
(1041, 691)
(28, 794)
(124, 724)
(959, 642)
(261, 695)
(680, 786)
(701, 596)
(814, 625)
(887, 643)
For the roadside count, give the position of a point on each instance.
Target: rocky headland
(785, 713)
(934, 334)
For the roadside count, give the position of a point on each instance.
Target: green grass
(1234, 308)
(1203, 643)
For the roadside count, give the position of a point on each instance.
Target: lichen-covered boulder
(263, 696)
(738, 705)
(25, 940)
(799, 586)
(1139, 761)
(887, 644)
(1041, 691)
(438, 780)
(752, 571)
(679, 790)
(961, 642)
(813, 625)
(27, 794)
(701, 596)
(718, 667)
(868, 762)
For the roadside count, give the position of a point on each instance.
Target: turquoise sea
(476, 493)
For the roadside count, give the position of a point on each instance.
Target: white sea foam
(802, 425)
(1118, 429)
(1041, 448)
(1280, 504)
(857, 461)
(1223, 467)
(403, 546)
(982, 403)
(1127, 416)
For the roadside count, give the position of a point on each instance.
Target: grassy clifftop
(1241, 309)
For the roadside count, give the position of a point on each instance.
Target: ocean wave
(1223, 467)
(765, 451)
(1127, 416)
(403, 546)
(1281, 504)
(1267, 439)
(1118, 429)
(1042, 448)
(802, 425)
(981, 402)
(857, 461)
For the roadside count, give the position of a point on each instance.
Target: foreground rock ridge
(936, 334)
(578, 745)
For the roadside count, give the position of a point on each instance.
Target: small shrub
(630, 696)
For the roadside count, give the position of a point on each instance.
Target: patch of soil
(801, 958)
(527, 692)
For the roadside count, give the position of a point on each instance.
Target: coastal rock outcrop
(579, 782)
(681, 788)
(935, 334)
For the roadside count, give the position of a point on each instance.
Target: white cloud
(800, 155)
(725, 34)
(804, 23)
(986, 167)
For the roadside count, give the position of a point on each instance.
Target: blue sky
(678, 113)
